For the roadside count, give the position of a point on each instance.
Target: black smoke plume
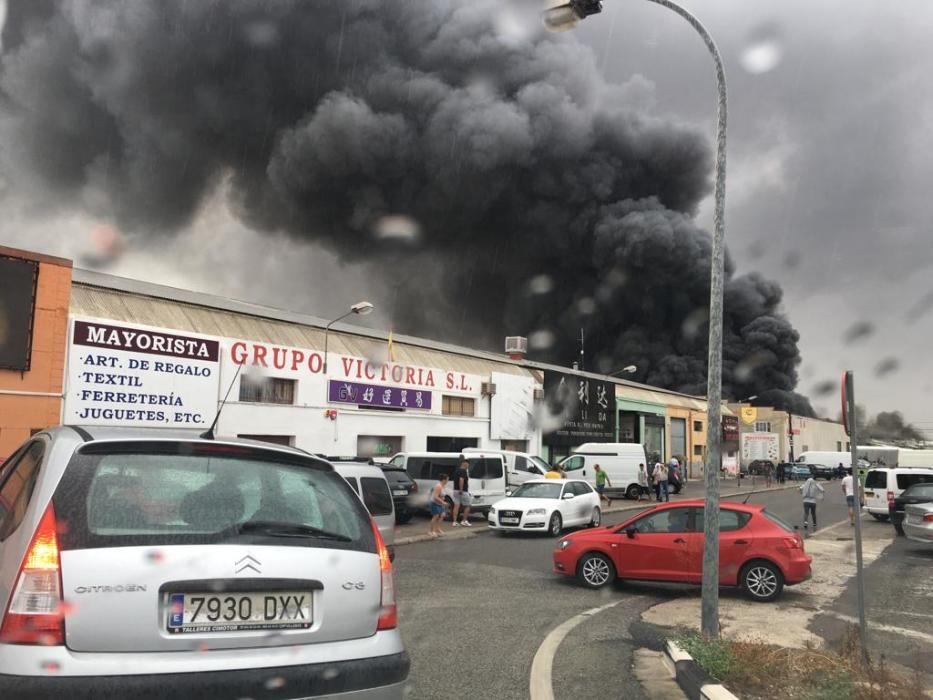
(517, 160)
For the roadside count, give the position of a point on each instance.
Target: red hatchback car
(758, 551)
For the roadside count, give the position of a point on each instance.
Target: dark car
(822, 471)
(402, 488)
(918, 493)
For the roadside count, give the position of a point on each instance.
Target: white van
(619, 460)
(372, 487)
(830, 459)
(915, 458)
(884, 485)
(519, 466)
(487, 475)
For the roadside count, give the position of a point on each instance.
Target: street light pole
(362, 308)
(562, 16)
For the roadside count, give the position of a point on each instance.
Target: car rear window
(905, 481)
(876, 479)
(188, 493)
(376, 495)
(778, 520)
(397, 477)
(920, 491)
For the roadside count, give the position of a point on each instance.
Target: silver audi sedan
(918, 522)
(144, 564)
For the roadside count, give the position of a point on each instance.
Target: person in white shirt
(811, 492)
(848, 488)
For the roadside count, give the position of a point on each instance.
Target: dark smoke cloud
(504, 143)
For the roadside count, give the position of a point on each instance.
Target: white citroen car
(547, 505)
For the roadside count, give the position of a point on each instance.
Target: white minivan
(619, 460)
(371, 485)
(519, 466)
(487, 475)
(884, 485)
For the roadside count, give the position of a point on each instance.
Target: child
(438, 506)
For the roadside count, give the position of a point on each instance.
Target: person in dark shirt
(462, 497)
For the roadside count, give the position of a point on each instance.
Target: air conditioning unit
(488, 389)
(516, 345)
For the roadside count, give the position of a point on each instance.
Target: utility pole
(849, 415)
(790, 436)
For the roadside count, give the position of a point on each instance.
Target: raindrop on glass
(886, 366)
(397, 227)
(65, 608)
(586, 306)
(274, 683)
(763, 51)
(155, 556)
(540, 340)
(859, 331)
(825, 388)
(50, 666)
(330, 674)
(540, 284)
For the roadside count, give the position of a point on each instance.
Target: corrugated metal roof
(135, 301)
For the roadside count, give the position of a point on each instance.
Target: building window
(763, 427)
(274, 439)
(838, 446)
(459, 406)
(698, 450)
(450, 444)
(848, 447)
(378, 445)
(271, 390)
(678, 437)
(698, 426)
(805, 448)
(514, 445)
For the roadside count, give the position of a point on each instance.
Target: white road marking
(539, 683)
(902, 631)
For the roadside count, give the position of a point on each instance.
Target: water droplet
(50, 666)
(397, 227)
(792, 260)
(586, 306)
(694, 322)
(202, 647)
(155, 556)
(274, 683)
(859, 331)
(825, 388)
(330, 674)
(764, 50)
(747, 367)
(47, 640)
(65, 608)
(540, 340)
(261, 33)
(886, 366)
(540, 284)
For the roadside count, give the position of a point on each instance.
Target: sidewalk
(416, 530)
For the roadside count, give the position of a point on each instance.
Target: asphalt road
(474, 611)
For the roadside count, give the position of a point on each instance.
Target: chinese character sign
(374, 395)
(586, 407)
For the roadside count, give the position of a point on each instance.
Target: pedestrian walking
(438, 506)
(660, 478)
(462, 497)
(643, 489)
(554, 473)
(840, 471)
(848, 489)
(602, 480)
(769, 474)
(812, 492)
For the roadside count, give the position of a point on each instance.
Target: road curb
(461, 535)
(693, 680)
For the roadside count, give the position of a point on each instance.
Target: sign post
(849, 416)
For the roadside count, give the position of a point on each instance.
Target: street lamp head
(562, 15)
(630, 369)
(362, 308)
(752, 397)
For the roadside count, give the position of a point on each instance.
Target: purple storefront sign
(375, 395)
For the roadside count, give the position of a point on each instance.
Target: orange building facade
(32, 345)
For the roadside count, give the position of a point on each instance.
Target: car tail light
(413, 488)
(388, 615)
(34, 615)
(928, 518)
(793, 543)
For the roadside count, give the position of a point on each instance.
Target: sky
(827, 189)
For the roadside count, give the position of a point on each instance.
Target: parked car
(799, 472)
(883, 485)
(547, 506)
(619, 460)
(918, 493)
(759, 552)
(122, 548)
(519, 466)
(918, 522)
(371, 485)
(822, 471)
(487, 475)
(403, 492)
